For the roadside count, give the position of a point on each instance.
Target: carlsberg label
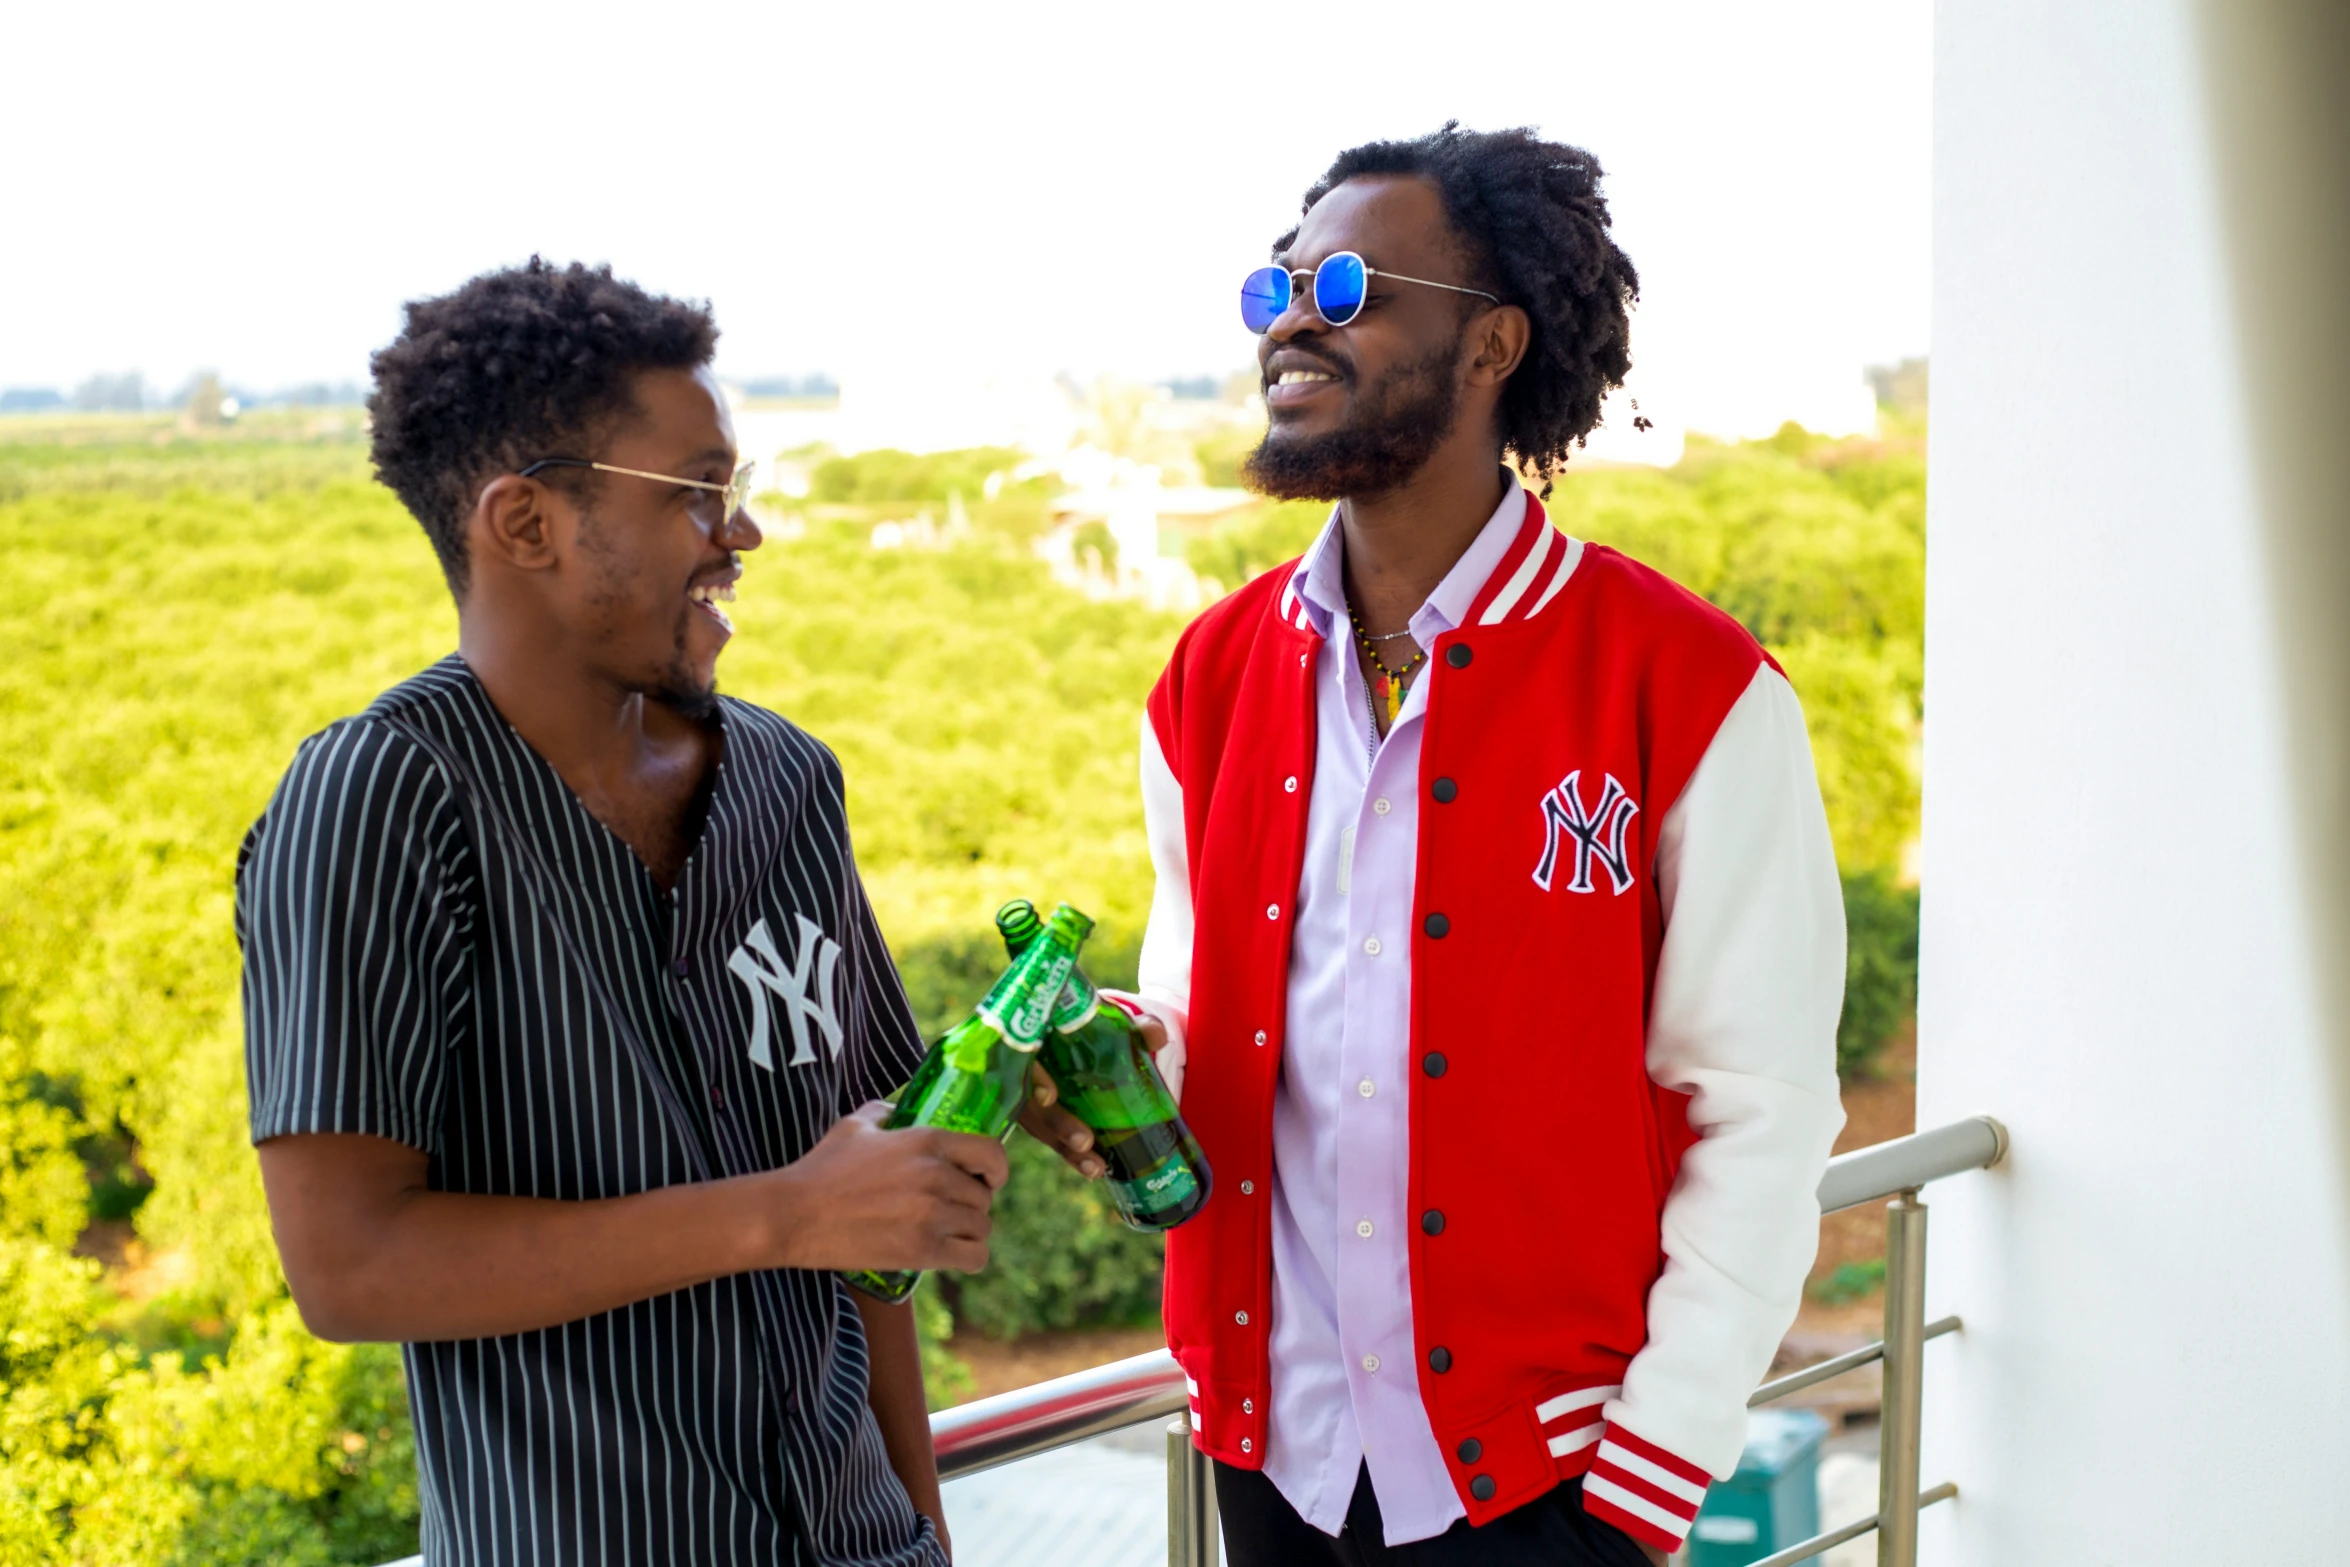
(1079, 1002)
(1024, 1024)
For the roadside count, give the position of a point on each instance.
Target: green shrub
(1880, 968)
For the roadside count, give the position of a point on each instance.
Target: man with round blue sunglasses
(1497, 938)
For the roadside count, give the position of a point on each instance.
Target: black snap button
(1440, 1360)
(683, 968)
(1432, 1222)
(1433, 1063)
(1470, 1451)
(1444, 789)
(1458, 655)
(1436, 925)
(1482, 1488)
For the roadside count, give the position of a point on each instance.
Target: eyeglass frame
(1369, 272)
(734, 493)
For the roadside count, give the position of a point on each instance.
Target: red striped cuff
(1643, 1490)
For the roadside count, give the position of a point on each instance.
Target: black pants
(1261, 1529)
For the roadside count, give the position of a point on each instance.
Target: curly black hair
(1534, 229)
(534, 361)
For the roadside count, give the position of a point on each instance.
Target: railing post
(1193, 1537)
(1901, 1426)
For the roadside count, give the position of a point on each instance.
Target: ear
(514, 524)
(1497, 342)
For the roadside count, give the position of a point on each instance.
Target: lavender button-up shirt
(1345, 1390)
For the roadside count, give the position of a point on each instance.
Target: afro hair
(1534, 228)
(534, 361)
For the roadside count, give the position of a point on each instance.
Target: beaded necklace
(1386, 687)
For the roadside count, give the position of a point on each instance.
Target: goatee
(1391, 437)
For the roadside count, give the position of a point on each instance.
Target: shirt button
(1363, 1228)
(1246, 1445)
(1444, 790)
(1240, 1317)
(683, 968)
(1433, 1063)
(1370, 1362)
(1381, 806)
(1272, 911)
(1260, 1036)
(1458, 655)
(1437, 927)
(1482, 1488)
(1248, 1188)
(1371, 945)
(1289, 785)
(1432, 1222)
(1248, 1406)
(1366, 1088)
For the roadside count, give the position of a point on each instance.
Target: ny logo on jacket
(1597, 834)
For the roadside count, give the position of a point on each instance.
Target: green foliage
(1849, 1282)
(1221, 454)
(1880, 967)
(1257, 540)
(876, 477)
(179, 614)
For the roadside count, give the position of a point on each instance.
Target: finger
(964, 1256)
(1042, 1090)
(872, 1112)
(1153, 1032)
(983, 1157)
(1069, 1137)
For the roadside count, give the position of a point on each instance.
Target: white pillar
(2136, 795)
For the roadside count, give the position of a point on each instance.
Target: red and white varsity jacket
(1628, 1179)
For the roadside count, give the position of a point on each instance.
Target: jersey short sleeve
(884, 1041)
(353, 899)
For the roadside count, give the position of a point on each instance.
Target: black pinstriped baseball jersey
(443, 947)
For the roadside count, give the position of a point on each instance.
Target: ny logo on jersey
(757, 964)
(1596, 834)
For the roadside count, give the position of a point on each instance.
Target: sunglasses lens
(1264, 294)
(1339, 285)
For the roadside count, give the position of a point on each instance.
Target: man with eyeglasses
(1497, 929)
(562, 995)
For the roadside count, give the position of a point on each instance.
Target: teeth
(1296, 377)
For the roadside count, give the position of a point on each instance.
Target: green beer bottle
(1157, 1175)
(981, 1077)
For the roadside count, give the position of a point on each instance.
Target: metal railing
(1070, 1409)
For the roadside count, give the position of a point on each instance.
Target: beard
(668, 677)
(678, 689)
(1397, 428)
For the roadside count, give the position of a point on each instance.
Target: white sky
(918, 189)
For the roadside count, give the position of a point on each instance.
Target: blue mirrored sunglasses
(1341, 284)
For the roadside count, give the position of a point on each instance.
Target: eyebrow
(719, 455)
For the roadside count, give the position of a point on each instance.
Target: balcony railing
(1054, 1414)
(1012, 1426)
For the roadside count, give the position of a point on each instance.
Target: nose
(1300, 319)
(740, 532)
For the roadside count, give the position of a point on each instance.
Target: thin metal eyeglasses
(1341, 287)
(735, 491)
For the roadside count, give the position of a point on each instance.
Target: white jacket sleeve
(1749, 984)
(1165, 971)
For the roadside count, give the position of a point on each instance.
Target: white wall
(2131, 890)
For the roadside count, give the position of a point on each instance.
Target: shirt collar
(1322, 580)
